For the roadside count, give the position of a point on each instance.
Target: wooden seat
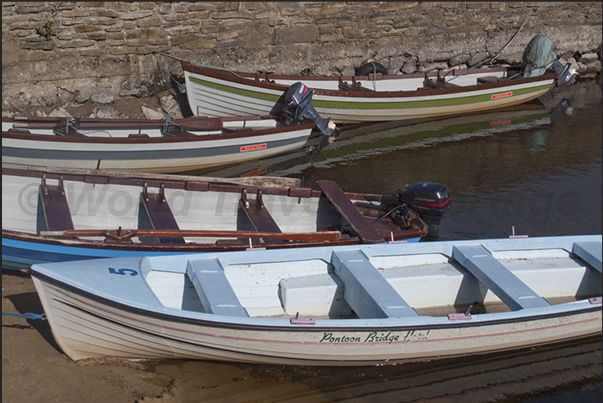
(439, 84)
(214, 290)
(366, 291)
(349, 212)
(494, 275)
(488, 79)
(590, 252)
(355, 86)
(155, 213)
(53, 209)
(258, 214)
(68, 130)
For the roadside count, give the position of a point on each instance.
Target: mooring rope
(197, 63)
(28, 315)
(491, 58)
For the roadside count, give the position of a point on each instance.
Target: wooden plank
(258, 181)
(366, 290)
(53, 209)
(590, 252)
(158, 215)
(321, 236)
(214, 290)
(494, 275)
(346, 208)
(258, 215)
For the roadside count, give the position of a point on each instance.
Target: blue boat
(54, 215)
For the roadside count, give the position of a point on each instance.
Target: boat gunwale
(283, 324)
(247, 79)
(193, 138)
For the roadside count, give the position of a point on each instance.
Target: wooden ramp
(213, 288)
(590, 252)
(346, 208)
(366, 291)
(494, 275)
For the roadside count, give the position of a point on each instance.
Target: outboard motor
(430, 201)
(298, 105)
(540, 55)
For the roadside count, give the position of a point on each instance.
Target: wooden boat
(336, 305)
(68, 214)
(162, 146)
(374, 97)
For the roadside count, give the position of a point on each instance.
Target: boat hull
(122, 314)
(154, 154)
(95, 199)
(218, 93)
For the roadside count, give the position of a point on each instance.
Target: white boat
(340, 305)
(161, 146)
(372, 95)
(372, 98)
(52, 215)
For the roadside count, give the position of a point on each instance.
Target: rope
(29, 315)
(491, 58)
(181, 87)
(198, 64)
(166, 125)
(374, 75)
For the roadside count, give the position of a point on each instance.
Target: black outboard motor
(298, 105)
(430, 201)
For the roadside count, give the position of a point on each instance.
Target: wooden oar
(293, 236)
(258, 181)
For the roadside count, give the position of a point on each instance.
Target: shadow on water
(549, 373)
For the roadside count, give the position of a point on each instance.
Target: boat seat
(176, 131)
(214, 290)
(258, 215)
(590, 252)
(53, 209)
(366, 291)
(346, 208)
(354, 87)
(439, 84)
(69, 131)
(494, 275)
(488, 79)
(155, 213)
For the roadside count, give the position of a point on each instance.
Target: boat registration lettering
(122, 272)
(502, 95)
(254, 147)
(376, 337)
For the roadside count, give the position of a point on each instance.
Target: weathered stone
(100, 12)
(298, 34)
(11, 52)
(151, 113)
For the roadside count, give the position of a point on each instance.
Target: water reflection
(545, 372)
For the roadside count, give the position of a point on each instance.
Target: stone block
(149, 22)
(299, 34)
(101, 12)
(11, 52)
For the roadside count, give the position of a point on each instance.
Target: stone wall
(99, 57)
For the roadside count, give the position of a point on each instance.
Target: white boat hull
(132, 308)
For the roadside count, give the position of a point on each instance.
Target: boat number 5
(122, 271)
